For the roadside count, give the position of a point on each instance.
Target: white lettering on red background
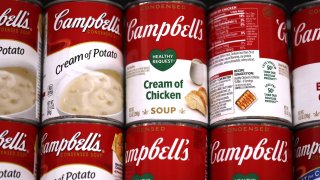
(90, 143)
(282, 31)
(193, 31)
(259, 151)
(307, 150)
(303, 35)
(16, 142)
(19, 20)
(177, 151)
(111, 25)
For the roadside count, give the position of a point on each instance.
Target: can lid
(253, 121)
(27, 121)
(52, 2)
(136, 2)
(176, 123)
(219, 3)
(40, 3)
(57, 120)
(307, 125)
(302, 4)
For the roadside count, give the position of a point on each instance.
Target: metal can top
(21, 120)
(307, 125)
(50, 3)
(304, 4)
(81, 120)
(217, 4)
(35, 2)
(189, 124)
(136, 2)
(252, 121)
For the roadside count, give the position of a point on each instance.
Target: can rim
(175, 121)
(304, 5)
(20, 120)
(252, 121)
(138, 2)
(187, 124)
(59, 120)
(101, 1)
(35, 2)
(248, 1)
(309, 124)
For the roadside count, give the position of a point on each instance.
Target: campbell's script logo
(192, 31)
(16, 142)
(256, 152)
(19, 20)
(75, 143)
(303, 35)
(282, 31)
(177, 151)
(101, 22)
(307, 150)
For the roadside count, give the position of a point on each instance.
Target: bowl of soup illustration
(91, 93)
(18, 86)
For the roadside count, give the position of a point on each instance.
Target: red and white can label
(84, 151)
(248, 67)
(20, 49)
(166, 72)
(306, 60)
(245, 152)
(149, 147)
(83, 66)
(307, 153)
(18, 150)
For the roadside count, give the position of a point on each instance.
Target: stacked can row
(79, 69)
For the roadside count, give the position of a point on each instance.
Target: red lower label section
(307, 153)
(251, 151)
(165, 151)
(18, 147)
(98, 146)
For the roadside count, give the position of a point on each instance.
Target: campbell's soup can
(306, 62)
(18, 149)
(307, 151)
(153, 149)
(251, 150)
(248, 66)
(83, 61)
(166, 72)
(81, 149)
(20, 53)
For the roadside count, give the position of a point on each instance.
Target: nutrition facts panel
(235, 29)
